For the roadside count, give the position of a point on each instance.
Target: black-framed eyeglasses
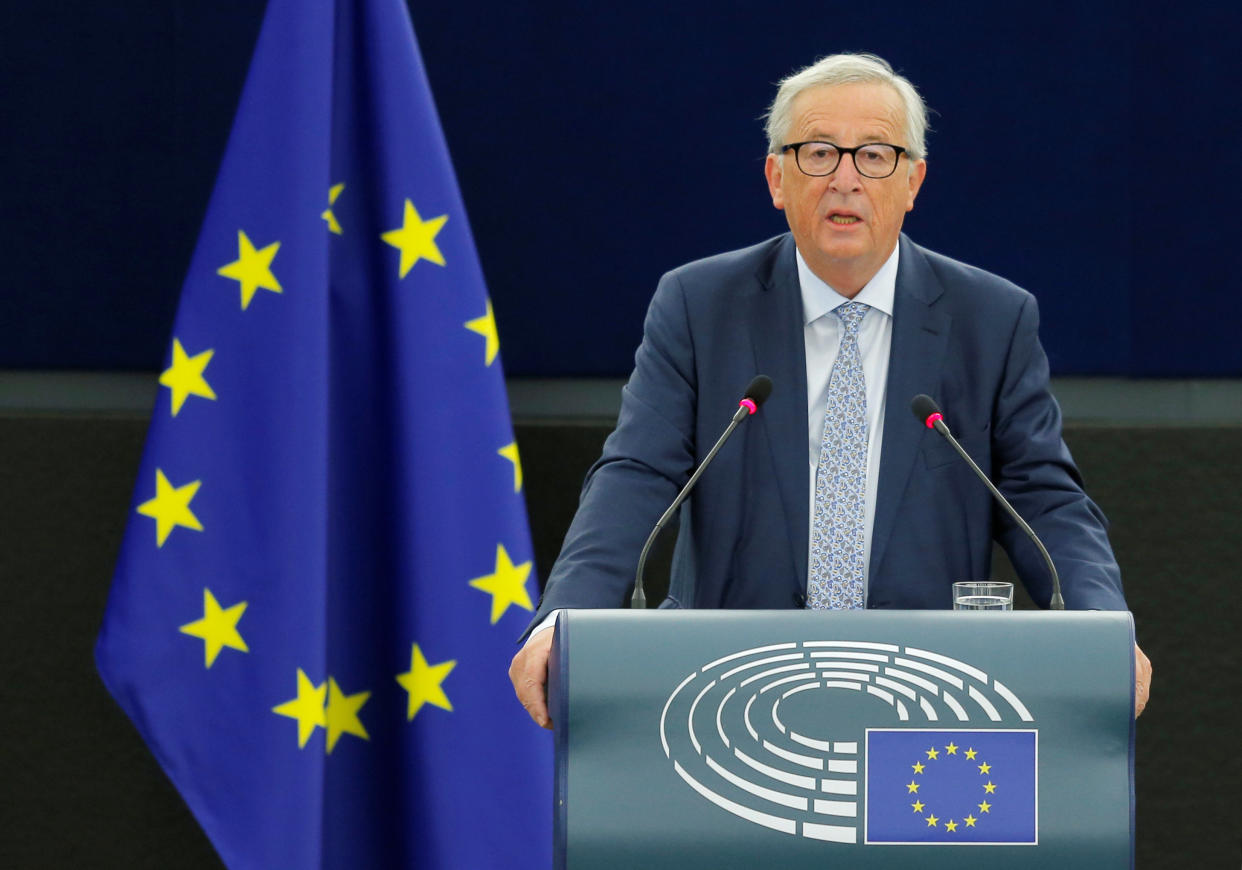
(873, 160)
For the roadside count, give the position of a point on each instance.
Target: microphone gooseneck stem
(1057, 602)
(639, 600)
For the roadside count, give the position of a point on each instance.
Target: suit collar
(915, 277)
(780, 353)
(920, 340)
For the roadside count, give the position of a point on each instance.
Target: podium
(859, 739)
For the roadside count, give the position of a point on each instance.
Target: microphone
(928, 413)
(756, 394)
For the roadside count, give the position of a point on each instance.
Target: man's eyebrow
(869, 139)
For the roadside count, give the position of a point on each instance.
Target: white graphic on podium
(738, 733)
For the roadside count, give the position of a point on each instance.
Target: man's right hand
(529, 673)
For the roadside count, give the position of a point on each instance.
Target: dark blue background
(1087, 152)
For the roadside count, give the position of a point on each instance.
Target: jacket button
(799, 600)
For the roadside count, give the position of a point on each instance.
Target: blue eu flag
(931, 786)
(328, 556)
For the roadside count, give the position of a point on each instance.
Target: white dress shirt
(822, 334)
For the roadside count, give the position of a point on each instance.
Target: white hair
(842, 69)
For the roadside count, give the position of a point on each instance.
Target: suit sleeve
(645, 462)
(1034, 469)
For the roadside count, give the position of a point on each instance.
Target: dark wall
(81, 790)
(1083, 150)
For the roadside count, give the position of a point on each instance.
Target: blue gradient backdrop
(1083, 151)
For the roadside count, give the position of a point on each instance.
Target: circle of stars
(933, 755)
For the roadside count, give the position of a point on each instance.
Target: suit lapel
(780, 353)
(920, 338)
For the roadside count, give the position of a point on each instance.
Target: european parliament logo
(857, 742)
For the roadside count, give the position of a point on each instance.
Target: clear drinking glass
(982, 595)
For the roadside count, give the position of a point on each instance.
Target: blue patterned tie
(836, 579)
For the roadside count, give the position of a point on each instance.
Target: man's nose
(845, 177)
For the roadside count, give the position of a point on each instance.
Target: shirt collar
(819, 298)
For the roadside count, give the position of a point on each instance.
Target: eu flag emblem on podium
(934, 786)
(327, 559)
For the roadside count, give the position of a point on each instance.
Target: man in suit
(834, 496)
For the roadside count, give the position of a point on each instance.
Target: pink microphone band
(749, 405)
(933, 419)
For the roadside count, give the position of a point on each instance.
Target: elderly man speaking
(834, 497)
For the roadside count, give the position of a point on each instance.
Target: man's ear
(916, 182)
(774, 170)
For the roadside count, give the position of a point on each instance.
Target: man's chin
(842, 250)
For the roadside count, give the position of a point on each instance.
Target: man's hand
(1142, 680)
(529, 673)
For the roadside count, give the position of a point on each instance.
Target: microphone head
(924, 407)
(759, 390)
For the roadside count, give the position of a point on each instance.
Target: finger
(527, 688)
(531, 691)
(529, 675)
(1142, 681)
(536, 705)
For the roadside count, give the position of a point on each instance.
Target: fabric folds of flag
(327, 558)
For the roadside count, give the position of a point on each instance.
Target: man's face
(845, 224)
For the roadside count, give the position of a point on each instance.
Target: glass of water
(982, 595)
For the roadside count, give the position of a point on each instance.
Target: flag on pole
(328, 558)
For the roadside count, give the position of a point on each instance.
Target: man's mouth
(844, 219)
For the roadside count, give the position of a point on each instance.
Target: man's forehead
(866, 107)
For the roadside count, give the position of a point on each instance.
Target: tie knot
(852, 314)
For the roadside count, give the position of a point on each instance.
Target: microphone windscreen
(923, 407)
(759, 390)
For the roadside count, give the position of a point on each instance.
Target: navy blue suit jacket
(963, 336)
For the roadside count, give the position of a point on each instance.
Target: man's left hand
(1142, 680)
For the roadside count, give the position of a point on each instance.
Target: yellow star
(970, 754)
(252, 269)
(951, 749)
(171, 507)
(950, 825)
(931, 821)
(185, 376)
(307, 707)
(507, 584)
(985, 768)
(422, 682)
(486, 327)
(912, 788)
(918, 766)
(989, 788)
(341, 714)
(985, 807)
(510, 452)
(333, 192)
(933, 753)
(217, 628)
(918, 806)
(970, 821)
(416, 239)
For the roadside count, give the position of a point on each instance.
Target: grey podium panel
(858, 739)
